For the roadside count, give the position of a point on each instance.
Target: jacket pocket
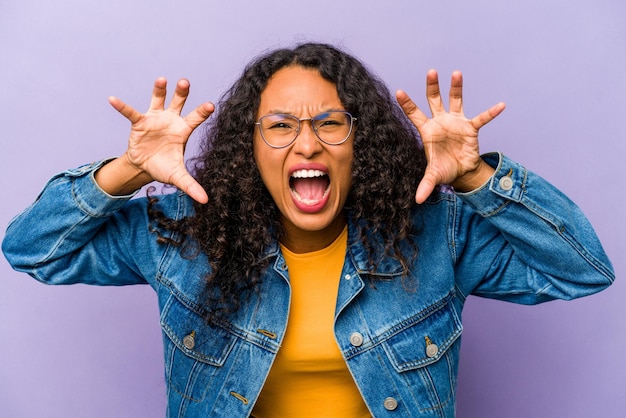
(194, 350)
(424, 349)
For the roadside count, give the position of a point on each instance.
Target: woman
(295, 272)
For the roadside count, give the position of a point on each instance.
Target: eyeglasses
(281, 130)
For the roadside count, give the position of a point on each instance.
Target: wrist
(119, 177)
(474, 179)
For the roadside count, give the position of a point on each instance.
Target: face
(309, 180)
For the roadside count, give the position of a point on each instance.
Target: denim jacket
(516, 238)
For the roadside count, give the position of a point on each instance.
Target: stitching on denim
(563, 233)
(439, 404)
(239, 396)
(267, 333)
(408, 323)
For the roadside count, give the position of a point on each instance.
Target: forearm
(537, 245)
(67, 235)
(119, 178)
(474, 180)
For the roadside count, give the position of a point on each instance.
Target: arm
(450, 140)
(156, 145)
(82, 226)
(76, 233)
(516, 237)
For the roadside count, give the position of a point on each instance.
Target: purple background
(559, 65)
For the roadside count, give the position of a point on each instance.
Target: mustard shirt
(309, 377)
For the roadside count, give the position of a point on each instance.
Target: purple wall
(559, 65)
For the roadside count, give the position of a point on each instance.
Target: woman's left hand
(450, 139)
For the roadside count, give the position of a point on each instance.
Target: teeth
(309, 201)
(302, 174)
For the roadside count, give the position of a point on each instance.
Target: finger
(425, 188)
(410, 109)
(185, 182)
(180, 96)
(456, 93)
(200, 114)
(127, 111)
(487, 116)
(433, 93)
(158, 94)
(197, 192)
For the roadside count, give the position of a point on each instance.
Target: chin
(313, 225)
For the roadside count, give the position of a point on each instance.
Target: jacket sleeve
(76, 233)
(519, 239)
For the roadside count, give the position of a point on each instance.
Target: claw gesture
(450, 139)
(156, 144)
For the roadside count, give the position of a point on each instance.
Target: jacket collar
(385, 266)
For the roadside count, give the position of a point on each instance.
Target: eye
(279, 123)
(330, 120)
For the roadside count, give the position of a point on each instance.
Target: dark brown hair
(241, 219)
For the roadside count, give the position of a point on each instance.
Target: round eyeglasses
(280, 130)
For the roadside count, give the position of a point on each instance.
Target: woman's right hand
(156, 144)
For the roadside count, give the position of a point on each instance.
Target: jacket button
(432, 350)
(506, 183)
(190, 340)
(356, 339)
(390, 403)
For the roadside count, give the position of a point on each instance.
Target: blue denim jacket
(516, 239)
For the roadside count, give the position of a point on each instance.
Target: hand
(450, 140)
(158, 138)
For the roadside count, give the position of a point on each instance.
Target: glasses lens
(279, 130)
(333, 127)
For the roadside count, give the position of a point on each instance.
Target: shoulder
(175, 205)
(441, 204)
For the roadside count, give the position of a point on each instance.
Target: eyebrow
(283, 112)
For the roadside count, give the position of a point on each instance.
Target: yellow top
(309, 377)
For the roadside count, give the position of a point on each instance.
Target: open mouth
(309, 187)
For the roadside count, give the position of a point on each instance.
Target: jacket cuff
(506, 185)
(87, 193)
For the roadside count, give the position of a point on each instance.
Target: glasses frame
(299, 128)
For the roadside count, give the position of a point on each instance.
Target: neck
(300, 241)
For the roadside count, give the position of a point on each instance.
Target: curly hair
(241, 219)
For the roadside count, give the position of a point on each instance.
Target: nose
(307, 143)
